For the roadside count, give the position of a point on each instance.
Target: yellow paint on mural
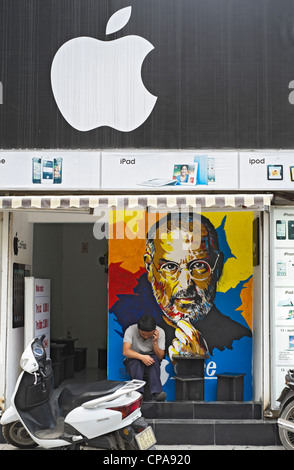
(239, 235)
(128, 232)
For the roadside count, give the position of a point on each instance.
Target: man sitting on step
(144, 349)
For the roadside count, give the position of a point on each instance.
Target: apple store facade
(92, 249)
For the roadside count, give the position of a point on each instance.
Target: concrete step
(215, 432)
(202, 410)
(216, 423)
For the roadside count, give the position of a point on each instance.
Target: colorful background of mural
(130, 295)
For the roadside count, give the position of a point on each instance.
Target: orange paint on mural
(127, 237)
(125, 249)
(246, 306)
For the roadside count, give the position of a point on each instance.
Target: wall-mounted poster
(190, 267)
(37, 310)
(285, 346)
(267, 169)
(138, 170)
(20, 271)
(49, 170)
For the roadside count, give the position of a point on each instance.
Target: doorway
(76, 263)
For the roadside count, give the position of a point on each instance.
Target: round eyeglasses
(199, 269)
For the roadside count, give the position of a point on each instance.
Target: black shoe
(161, 396)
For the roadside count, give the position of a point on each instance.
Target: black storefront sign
(221, 71)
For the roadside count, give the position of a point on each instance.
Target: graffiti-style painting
(193, 273)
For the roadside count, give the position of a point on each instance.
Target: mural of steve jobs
(183, 264)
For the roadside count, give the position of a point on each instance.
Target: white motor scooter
(104, 415)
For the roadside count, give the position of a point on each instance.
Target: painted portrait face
(183, 270)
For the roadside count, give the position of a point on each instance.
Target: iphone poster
(50, 170)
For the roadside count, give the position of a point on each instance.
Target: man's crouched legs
(137, 369)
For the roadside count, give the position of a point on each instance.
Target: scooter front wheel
(287, 437)
(16, 435)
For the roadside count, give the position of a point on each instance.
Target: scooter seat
(74, 395)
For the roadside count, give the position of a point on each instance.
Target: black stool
(189, 388)
(230, 386)
(189, 378)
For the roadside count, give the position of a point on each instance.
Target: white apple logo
(98, 83)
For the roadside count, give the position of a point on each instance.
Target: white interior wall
(15, 336)
(257, 342)
(48, 264)
(265, 358)
(85, 297)
(3, 298)
(68, 254)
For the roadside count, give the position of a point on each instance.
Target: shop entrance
(61, 246)
(76, 263)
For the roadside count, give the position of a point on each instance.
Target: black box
(102, 358)
(69, 363)
(230, 387)
(189, 388)
(80, 359)
(189, 365)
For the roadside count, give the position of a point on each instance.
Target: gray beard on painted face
(198, 309)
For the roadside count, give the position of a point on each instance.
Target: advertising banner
(49, 170)
(213, 300)
(267, 169)
(143, 171)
